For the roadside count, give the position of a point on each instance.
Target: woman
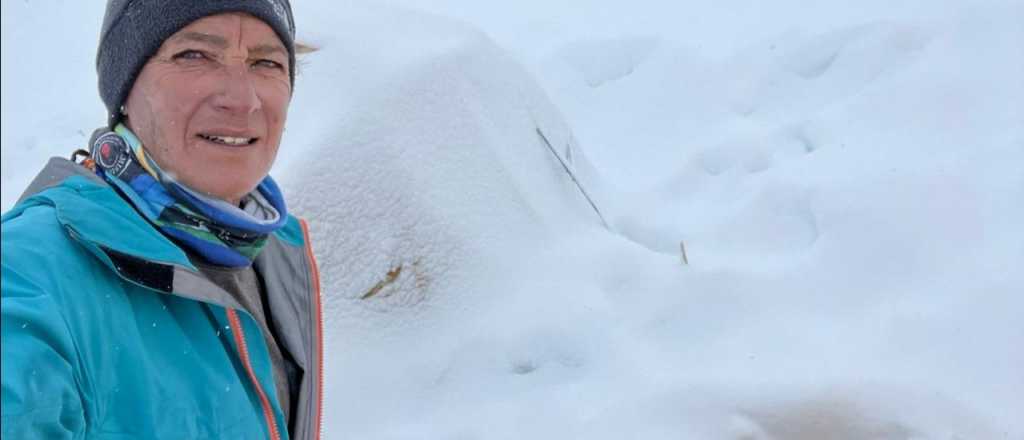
(159, 289)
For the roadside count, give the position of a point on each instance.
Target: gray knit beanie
(133, 31)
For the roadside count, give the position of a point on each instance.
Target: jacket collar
(96, 213)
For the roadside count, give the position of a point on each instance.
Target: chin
(231, 193)
(235, 196)
(223, 186)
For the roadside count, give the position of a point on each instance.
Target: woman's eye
(271, 64)
(189, 55)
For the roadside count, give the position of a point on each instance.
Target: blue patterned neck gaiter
(222, 233)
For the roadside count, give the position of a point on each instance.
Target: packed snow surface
(847, 180)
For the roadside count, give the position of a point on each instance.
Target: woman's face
(211, 104)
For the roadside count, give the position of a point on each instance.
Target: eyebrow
(221, 43)
(214, 40)
(267, 49)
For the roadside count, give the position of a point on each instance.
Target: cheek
(277, 94)
(276, 110)
(173, 128)
(171, 110)
(182, 103)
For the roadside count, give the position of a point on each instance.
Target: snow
(847, 180)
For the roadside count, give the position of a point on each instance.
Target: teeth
(228, 140)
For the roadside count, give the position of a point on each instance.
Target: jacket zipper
(319, 331)
(243, 351)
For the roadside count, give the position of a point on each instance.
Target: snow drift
(475, 295)
(438, 166)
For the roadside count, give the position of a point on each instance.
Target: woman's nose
(238, 94)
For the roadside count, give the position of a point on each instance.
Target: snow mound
(436, 168)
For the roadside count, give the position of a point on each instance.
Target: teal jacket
(109, 332)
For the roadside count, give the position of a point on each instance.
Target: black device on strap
(110, 152)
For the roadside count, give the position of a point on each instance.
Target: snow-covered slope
(433, 169)
(847, 179)
(819, 236)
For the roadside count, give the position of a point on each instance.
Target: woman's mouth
(232, 141)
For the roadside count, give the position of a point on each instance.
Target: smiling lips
(232, 141)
